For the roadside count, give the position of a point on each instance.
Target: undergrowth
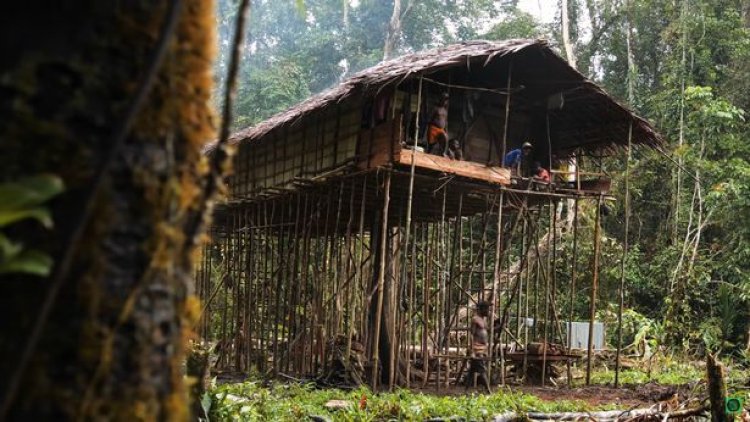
(250, 401)
(672, 372)
(254, 401)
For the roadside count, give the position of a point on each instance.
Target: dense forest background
(682, 64)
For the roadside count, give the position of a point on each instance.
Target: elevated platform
(382, 146)
(468, 169)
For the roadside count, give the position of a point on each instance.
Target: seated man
(540, 173)
(454, 150)
(437, 137)
(517, 160)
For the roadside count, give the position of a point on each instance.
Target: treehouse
(346, 251)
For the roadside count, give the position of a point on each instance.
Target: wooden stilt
(623, 261)
(573, 273)
(594, 288)
(494, 299)
(381, 281)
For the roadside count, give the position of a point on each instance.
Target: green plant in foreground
(249, 401)
(19, 201)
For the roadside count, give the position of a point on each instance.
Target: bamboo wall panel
(302, 151)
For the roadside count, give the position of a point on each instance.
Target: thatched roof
(599, 121)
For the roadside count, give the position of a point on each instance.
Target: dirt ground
(627, 396)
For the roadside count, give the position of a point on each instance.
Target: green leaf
(29, 192)
(11, 216)
(28, 262)
(206, 403)
(8, 248)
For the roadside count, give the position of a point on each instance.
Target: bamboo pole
(302, 327)
(335, 255)
(266, 295)
(227, 269)
(470, 280)
(249, 276)
(360, 260)
(277, 289)
(440, 311)
(407, 235)
(495, 284)
(348, 313)
(411, 327)
(573, 274)
(294, 287)
(381, 280)
(482, 292)
(305, 365)
(427, 271)
(594, 287)
(625, 245)
(526, 309)
(239, 302)
(507, 114)
(523, 250)
(547, 305)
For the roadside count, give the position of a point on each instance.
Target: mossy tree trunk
(717, 388)
(113, 345)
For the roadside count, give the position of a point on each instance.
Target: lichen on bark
(113, 347)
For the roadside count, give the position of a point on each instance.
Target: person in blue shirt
(515, 158)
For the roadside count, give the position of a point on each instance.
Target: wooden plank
(468, 169)
(378, 152)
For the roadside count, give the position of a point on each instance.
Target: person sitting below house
(479, 340)
(454, 150)
(518, 160)
(437, 137)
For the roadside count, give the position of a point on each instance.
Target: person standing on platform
(518, 160)
(437, 137)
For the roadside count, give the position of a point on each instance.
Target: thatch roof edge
(404, 67)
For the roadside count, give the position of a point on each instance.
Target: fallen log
(603, 416)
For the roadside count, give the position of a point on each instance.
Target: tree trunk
(345, 19)
(632, 71)
(717, 389)
(570, 53)
(394, 30)
(112, 346)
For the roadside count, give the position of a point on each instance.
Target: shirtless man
(454, 150)
(479, 339)
(437, 137)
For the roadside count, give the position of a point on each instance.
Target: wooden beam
(468, 169)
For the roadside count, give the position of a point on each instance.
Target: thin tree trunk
(394, 27)
(394, 30)
(681, 136)
(632, 71)
(345, 19)
(112, 346)
(570, 53)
